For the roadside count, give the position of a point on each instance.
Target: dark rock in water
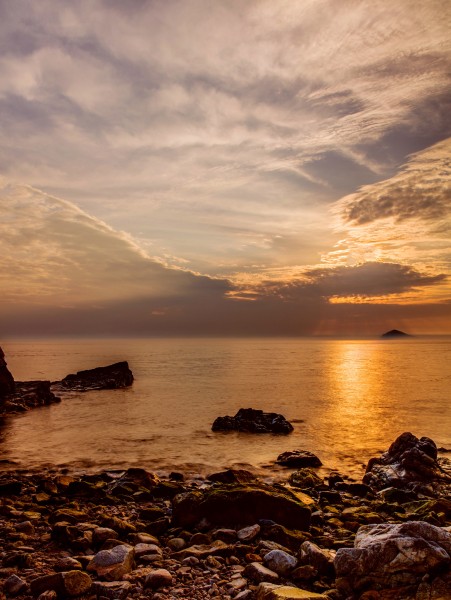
(253, 421)
(298, 459)
(305, 478)
(408, 463)
(241, 504)
(7, 385)
(28, 395)
(394, 333)
(110, 377)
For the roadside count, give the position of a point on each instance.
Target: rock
(31, 394)
(14, 585)
(298, 458)
(114, 590)
(157, 579)
(257, 573)
(240, 504)
(305, 478)
(113, 564)
(387, 556)
(280, 562)
(7, 385)
(248, 533)
(322, 560)
(70, 583)
(142, 549)
(253, 421)
(110, 377)
(203, 550)
(232, 476)
(267, 591)
(407, 463)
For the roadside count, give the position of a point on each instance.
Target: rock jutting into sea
(251, 420)
(111, 377)
(19, 396)
(395, 333)
(132, 534)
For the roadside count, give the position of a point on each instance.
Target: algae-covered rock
(241, 504)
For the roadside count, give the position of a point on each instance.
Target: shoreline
(129, 533)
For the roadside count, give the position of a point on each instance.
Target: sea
(348, 400)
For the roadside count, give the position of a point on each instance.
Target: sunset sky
(207, 167)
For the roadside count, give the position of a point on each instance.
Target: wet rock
(70, 583)
(298, 458)
(257, 573)
(14, 585)
(239, 504)
(387, 556)
(408, 462)
(253, 421)
(280, 562)
(157, 579)
(30, 394)
(267, 591)
(110, 377)
(113, 564)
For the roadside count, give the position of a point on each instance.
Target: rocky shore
(131, 534)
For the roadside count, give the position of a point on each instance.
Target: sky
(233, 167)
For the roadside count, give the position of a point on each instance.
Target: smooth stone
(247, 534)
(158, 578)
(280, 562)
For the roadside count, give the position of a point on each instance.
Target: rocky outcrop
(410, 464)
(298, 459)
(243, 504)
(110, 377)
(253, 421)
(7, 386)
(390, 556)
(394, 333)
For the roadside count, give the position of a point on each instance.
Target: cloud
(150, 113)
(53, 253)
(420, 191)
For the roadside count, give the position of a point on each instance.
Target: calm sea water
(348, 400)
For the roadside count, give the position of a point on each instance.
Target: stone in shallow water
(110, 377)
(253, 421)
(298, 458)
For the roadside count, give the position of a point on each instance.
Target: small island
(395, 333)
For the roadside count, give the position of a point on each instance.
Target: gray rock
(248, 533)
(387, 556)
(280, 562)
(113, 564)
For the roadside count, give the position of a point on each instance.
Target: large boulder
(410, 462)
(238, 504)
(7, 386)
(390, 556)
(110, 377)
(253, 421)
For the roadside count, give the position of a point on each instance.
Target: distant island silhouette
(395, 333)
